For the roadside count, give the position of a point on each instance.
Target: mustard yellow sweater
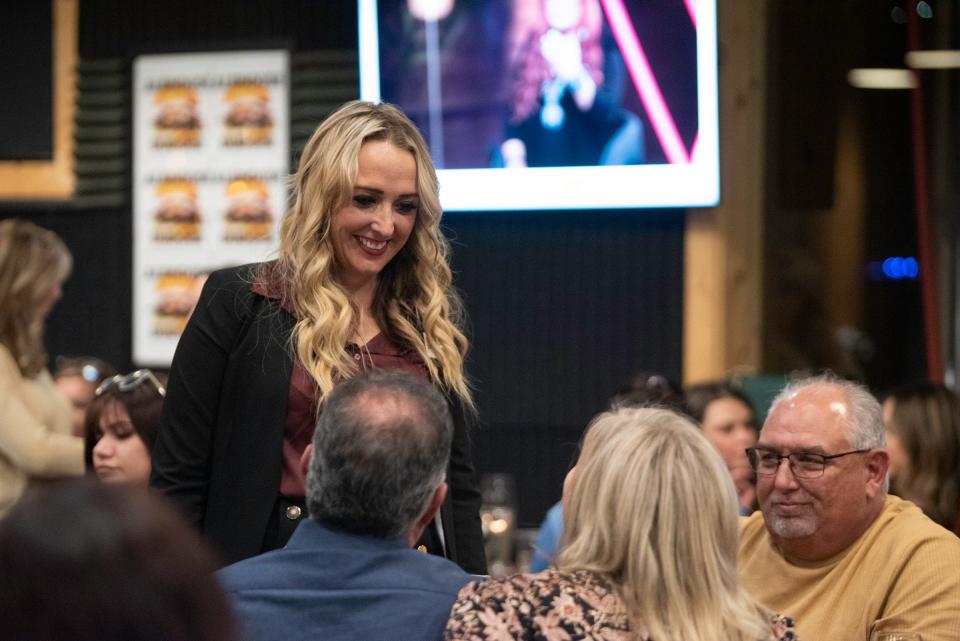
(903, 574)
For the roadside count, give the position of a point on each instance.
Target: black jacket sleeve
(464, 493)
(182, 453)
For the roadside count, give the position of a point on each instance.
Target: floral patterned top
(552, 606)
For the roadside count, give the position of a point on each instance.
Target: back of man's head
(380, 450)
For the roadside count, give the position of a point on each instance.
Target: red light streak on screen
(692, 10)
(643, 78)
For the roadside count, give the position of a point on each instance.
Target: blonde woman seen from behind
(35, 419)
(649, 549)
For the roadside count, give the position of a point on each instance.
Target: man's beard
(790, 528)
(794, 526)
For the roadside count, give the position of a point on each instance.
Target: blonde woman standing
(35, 419)
(361, 282)
(649, 552)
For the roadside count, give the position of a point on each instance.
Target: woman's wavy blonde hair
(414, 302)
(653, 509)
(33, 261)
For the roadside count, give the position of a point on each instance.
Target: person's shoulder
(229, 292)
(241, 574)
(235, 278)
(440, 573)
(902, 523)
(555, 515)
(500, 588)
(549, 581)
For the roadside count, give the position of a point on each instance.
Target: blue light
(893, 268)
(910, 268)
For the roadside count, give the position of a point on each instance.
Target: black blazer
(218, 450)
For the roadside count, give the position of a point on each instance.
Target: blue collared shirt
(335, 586)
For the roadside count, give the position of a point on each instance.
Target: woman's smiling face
(377, 222)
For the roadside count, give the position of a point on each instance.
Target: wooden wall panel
(723, 246)
(51, 180)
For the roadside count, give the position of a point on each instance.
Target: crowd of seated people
(646, 543)
(651, 547)
(325, 458)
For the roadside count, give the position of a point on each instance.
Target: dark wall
(563, 305)
(26, 76)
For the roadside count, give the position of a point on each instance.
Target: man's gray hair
(380, 450)
(865, 428)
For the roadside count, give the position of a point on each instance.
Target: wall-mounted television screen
(553, 104)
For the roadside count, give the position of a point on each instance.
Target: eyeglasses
(804, 465)
(127, 382)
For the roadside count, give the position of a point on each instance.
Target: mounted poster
(211, 157)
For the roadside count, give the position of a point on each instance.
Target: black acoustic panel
(537, 456)
(111, 28)
(26, 75)
(564, 306)
(582, 299)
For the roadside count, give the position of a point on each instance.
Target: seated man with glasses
(829, 547)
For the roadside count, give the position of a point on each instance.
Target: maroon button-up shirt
(380, 352)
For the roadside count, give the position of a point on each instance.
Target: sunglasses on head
(127, 382)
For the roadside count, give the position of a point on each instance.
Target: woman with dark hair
(923, 440)
(727, 418)
(35, 419)
(362, 282)
(122, 426)
(88, 561)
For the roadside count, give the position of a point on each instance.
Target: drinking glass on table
(894, 635)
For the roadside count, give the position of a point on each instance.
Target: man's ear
(878, 463)
(431, 510)
(305, 459)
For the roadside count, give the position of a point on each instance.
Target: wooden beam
(723, 246)
(52, 180)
